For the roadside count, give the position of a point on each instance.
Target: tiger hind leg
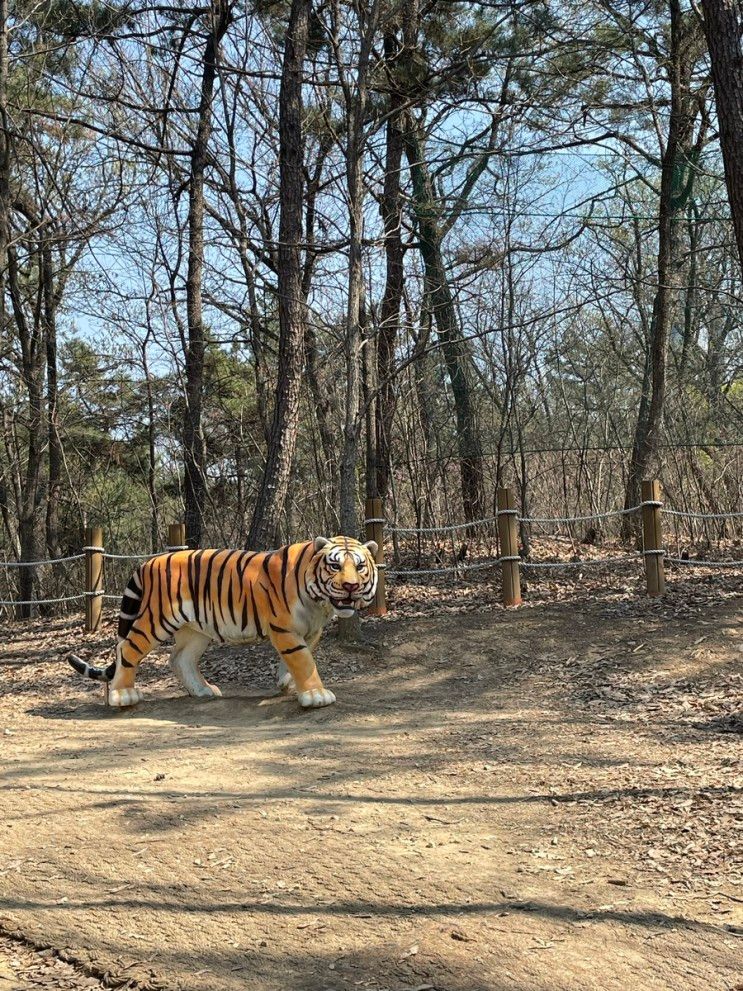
(130, 651)
(184, 662)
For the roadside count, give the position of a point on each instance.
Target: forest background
(259, 261)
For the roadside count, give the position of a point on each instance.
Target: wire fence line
(703, 516)
(394, 528)
(80, 596)
(35, 564)
(608, 562)
(553, 520)
(456, 568)
(138, 556)
(42, 602)
(661, 553)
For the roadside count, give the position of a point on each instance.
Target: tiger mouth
(350, 602)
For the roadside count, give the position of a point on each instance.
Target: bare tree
(274, 485)
(218, 16)
(678, 173)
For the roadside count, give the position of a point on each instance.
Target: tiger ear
(373, 547)
(321, 542)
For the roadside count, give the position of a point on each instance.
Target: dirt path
(546, 800)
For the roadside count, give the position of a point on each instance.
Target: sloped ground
(546, 799)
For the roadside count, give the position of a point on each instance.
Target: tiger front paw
(120, 698)
(315, 698)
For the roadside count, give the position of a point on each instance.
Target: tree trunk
(355, 318)
(723, 26)
(389, 322)
(32, 370)
(151, 453)
(193, 439)
(55, 456)
(5, 143)
(320, 392)
(675, 187)
(456, 353)
(264, 526)
(353, 343)
(323, 409)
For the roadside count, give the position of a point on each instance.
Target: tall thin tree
(193, 438)
(269, 506)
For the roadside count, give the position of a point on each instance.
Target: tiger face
(345, 573)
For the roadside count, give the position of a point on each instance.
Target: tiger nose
(350, 586)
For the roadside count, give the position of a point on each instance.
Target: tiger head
(345, 573)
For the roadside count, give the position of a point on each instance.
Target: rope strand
(33, 564)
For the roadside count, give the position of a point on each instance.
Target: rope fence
(548, 520)
(94, 554)
(653, 554)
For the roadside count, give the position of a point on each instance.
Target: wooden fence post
(652, 531)
(176, 537)
(509, 547)
(93, 577)
(375, 531)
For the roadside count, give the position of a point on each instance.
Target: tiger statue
(195, 597)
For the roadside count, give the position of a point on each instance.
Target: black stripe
(147, 585)
(126, 664)
(231, 596)
(293, 650)
(278, 629)
(298, 565)
(207, 585)
(162, 599)
(194, 583)
(124, 625)
(168, 580)
(284, 564)
(168, 625)
(270, 579)
(131, 643)
(179, 595)
(248, 555)
(152, 626)
(220, 578)
(256, 617)
(245, 614)
(132, 597)
(157, 618)
(267, 593)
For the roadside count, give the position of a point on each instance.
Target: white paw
(206, 691)
(121, 697)
(286, 683)
(315, 698)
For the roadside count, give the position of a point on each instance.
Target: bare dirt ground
(546, 799)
